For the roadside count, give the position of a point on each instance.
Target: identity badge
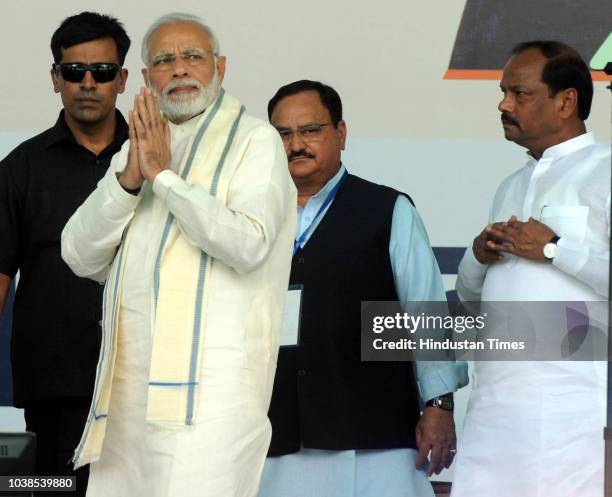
(292, 317)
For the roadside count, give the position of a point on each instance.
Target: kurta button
(301, 372)
(301, 260)
(98, 161)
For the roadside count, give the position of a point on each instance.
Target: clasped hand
(523, 239)
(149, 152)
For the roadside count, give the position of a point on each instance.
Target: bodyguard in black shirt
(56, 315)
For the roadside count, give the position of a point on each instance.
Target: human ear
(341, 128)
(568, 102)
(55, 81)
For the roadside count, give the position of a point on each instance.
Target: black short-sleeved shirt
(56, 315)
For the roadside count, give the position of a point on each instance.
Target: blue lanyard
(326, 202)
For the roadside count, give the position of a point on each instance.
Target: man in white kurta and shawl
(534, 429)
(192, 230)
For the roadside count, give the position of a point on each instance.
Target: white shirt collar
(330, 184)
(567, 147)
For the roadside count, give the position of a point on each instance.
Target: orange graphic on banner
(496, 74)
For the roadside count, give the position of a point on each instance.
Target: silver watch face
(443, 403)
(550, 250)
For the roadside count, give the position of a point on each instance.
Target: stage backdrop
(438, 139)
(490, 28)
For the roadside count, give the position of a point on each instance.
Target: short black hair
(565, 68)
(329, 97)
(89, 26)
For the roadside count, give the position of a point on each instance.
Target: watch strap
(445, 402)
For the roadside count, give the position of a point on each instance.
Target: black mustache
(505, 118)
(300, 153)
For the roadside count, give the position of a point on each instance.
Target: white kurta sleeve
(585, 263)
(241, 233)
(93, 233)
(471, 273)
(470, 277)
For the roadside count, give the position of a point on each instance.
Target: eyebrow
(161, 55)
(513, 87)
(285, 128)
(188, 51)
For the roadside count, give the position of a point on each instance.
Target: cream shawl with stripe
(180, 296)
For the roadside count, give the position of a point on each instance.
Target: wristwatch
(442, 402)
(550, 249)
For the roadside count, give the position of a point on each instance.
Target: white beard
(183, 106)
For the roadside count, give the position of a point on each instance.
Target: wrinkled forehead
(179, 37)
(300, 109)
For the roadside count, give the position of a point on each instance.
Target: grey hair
(173, 18)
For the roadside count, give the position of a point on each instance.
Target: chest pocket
(47, 212)
(566, 221)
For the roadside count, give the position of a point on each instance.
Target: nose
(506, 104)
(179, 68)
(297, 142)
(88, 81)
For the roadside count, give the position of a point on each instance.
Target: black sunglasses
(74, 72)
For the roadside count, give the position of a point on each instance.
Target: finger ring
(453, 451)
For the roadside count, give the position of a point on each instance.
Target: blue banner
(6, 381)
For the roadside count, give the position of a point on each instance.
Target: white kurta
(535, 428)
(223, 452)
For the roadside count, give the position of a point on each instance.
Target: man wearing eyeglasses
(192, 230)
(342, 427)
(56, 331)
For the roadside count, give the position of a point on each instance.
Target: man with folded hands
(192, 230)
(535, 428)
